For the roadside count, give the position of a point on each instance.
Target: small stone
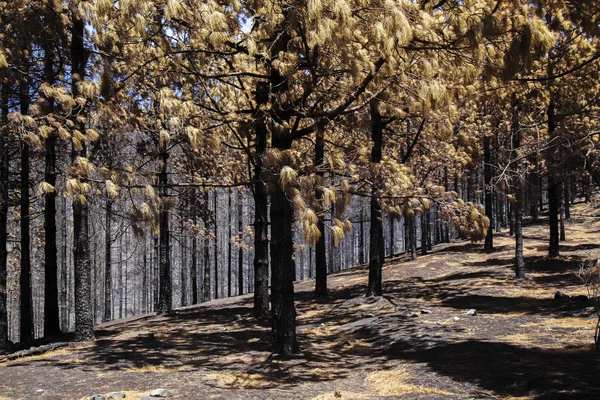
(237, 317)
(456, 319)
(146, 337)
(558, 295)
(426, 311)
(438, 323)
(116, 395)
(409, 314)
(471, 312)
(159, 393)
(98, 396)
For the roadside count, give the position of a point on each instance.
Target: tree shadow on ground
(510, 370)
(553, 265)
(521, 304)
(503, 369)
(492, 262)
(578, 247)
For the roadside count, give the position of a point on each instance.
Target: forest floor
(521, 344)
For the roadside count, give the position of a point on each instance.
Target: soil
(415, 342)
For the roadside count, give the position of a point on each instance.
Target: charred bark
(4, 202)
(164, 247)
(320, 257)
(376, 244)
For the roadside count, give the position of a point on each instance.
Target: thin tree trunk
(321, 259)
(518, 192)
(261, 241)
(412, 236)
(183, 281)
(121, 285)
(567, 199)
(63, 301)
(424, 232)
(376, 246)
(553, 211)
(108, 261)
(165, 288)
(489, 194)
(156, 267)
(126, 286)
(447, 224)
(194, 251)
(240, 274)
(206, 279)
(511, 218)
(216, 245)
(144, 279)
(553, 185)
(4, 199)
(361, 237)
(26, 301)
(51, 308)
(429, 235)
(392, 239)
(562, 216)
(229, 245)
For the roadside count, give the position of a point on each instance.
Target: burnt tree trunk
(320, 251)
(283, 271)
(107, 261)
(424, 232)
(216, 244)
(183, 274)
(562, 215)
(25, 298)
(206, 246)
(4, 199)
(376, 244)
(412, 236)
(567, 199)
(553, 184)
(361, 237)
(261, 241)
(240, 274)
(165, 286)
(391, 233)
(64, 279)
(84, 319)
(194, 265)
(489, 193)
(283, 311)
(51, 307)
(229, 245)
(518, 192)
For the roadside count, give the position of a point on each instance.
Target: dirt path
(416, 342)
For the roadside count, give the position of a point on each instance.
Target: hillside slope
(414, 342)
